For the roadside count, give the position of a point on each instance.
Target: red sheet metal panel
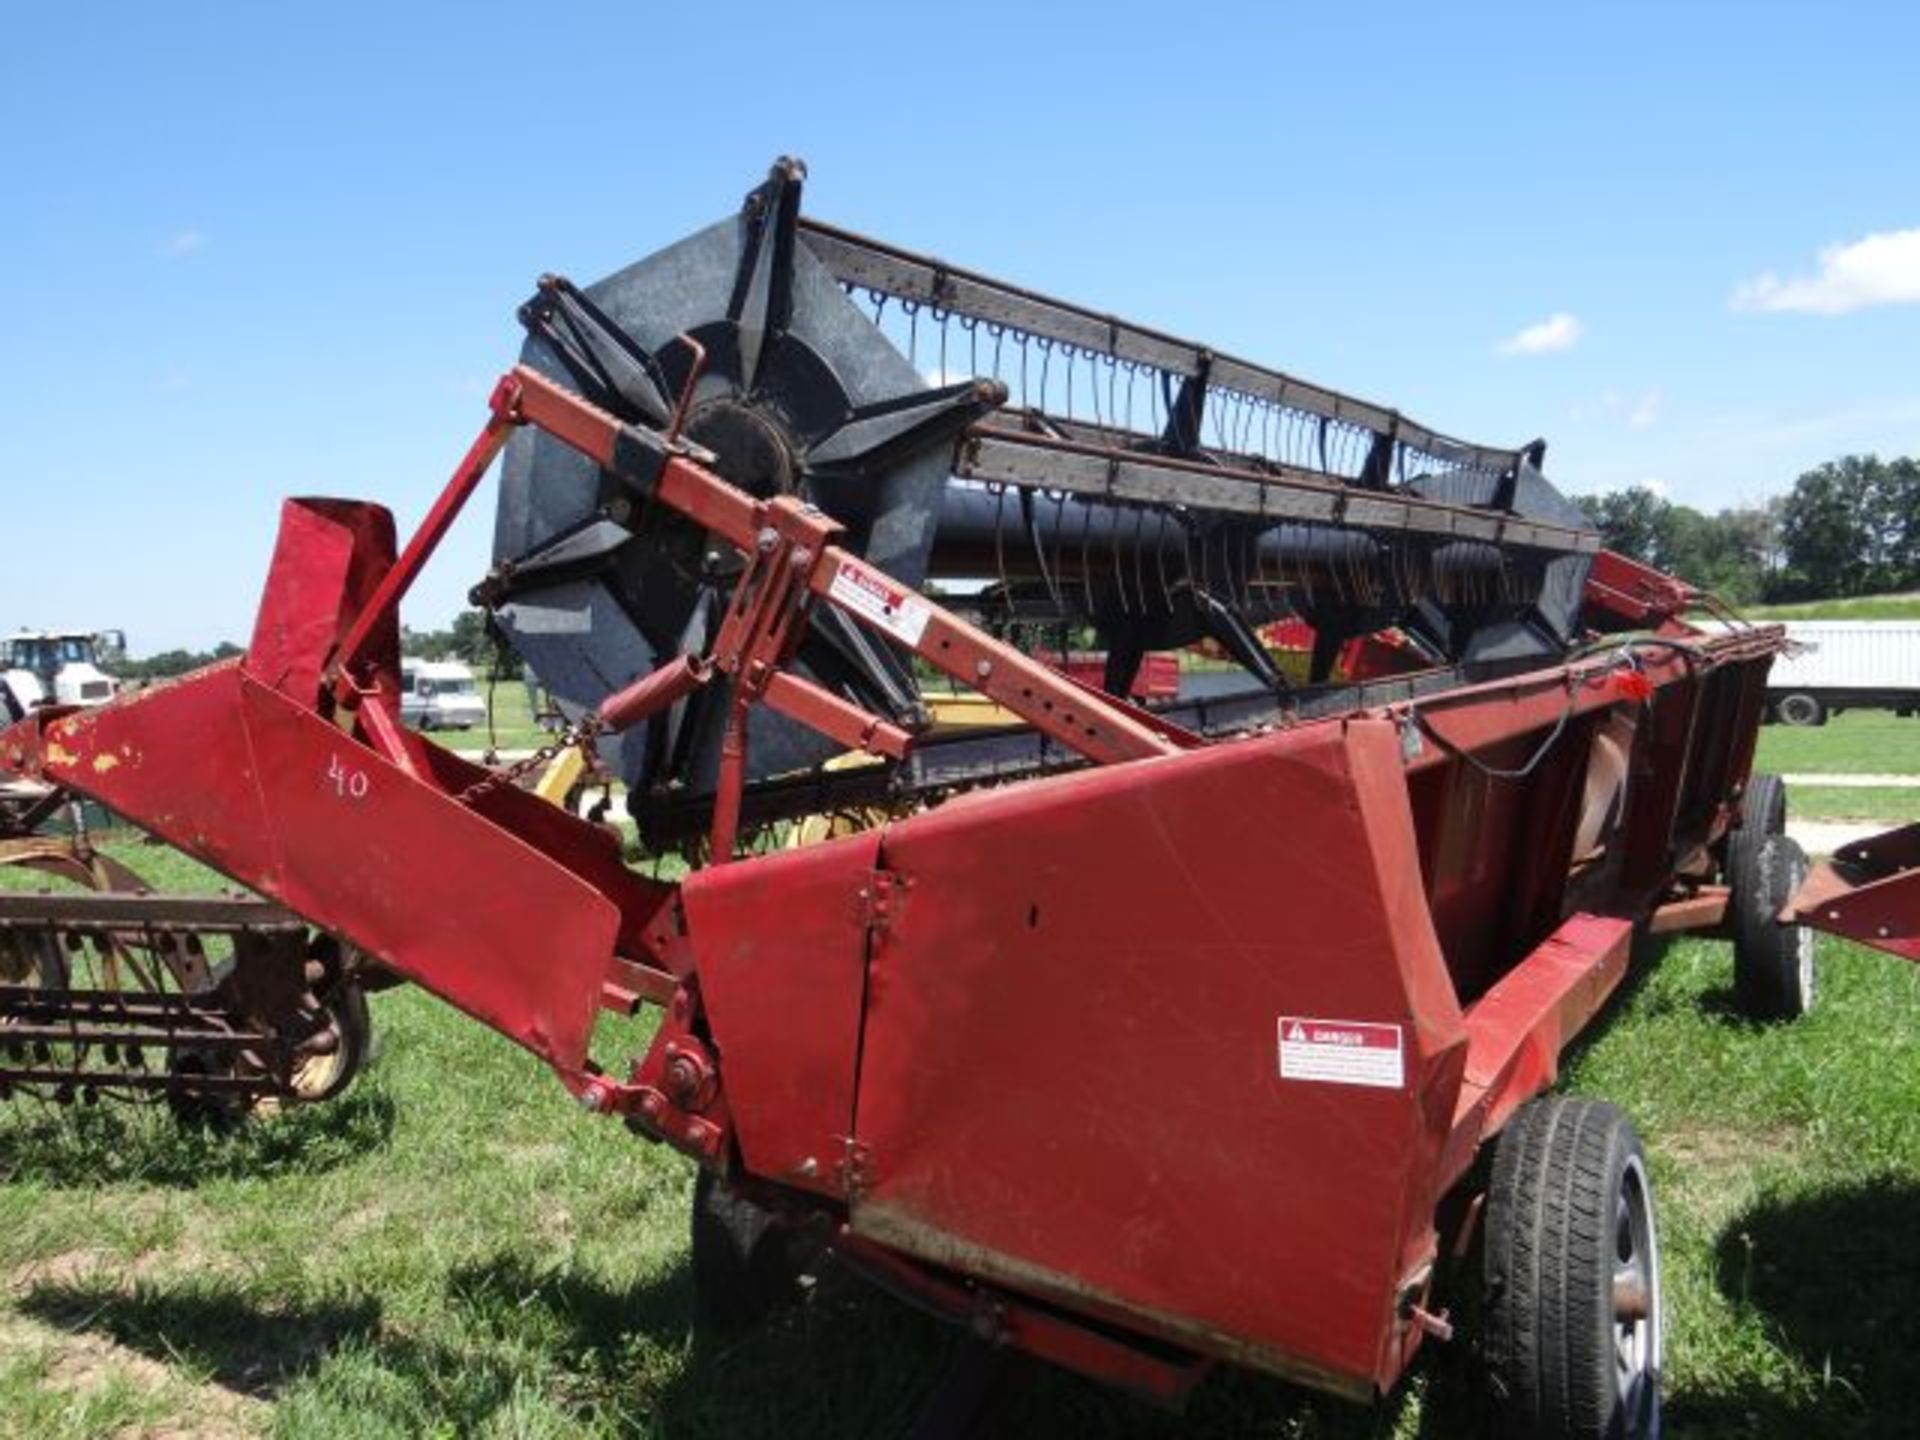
(268, 793)
(782, 947)
(1516, 1031)
(327, 560)
(1869, 892)
(1072, 1080)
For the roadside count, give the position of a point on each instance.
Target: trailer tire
(742, 1257)
(1775, 976)
(1571, 1304)
(1799, 708)
(1763, 815)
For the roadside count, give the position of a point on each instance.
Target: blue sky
(250, 251)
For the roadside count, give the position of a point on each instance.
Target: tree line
(1848, 527)
(467, 639)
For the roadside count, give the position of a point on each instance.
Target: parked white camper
(440, 695)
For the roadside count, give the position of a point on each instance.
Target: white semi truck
(56, 667)
(1846, 665)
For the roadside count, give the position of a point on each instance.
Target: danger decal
(898, 614)
(1341, 1052)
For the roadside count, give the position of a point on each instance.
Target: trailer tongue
(1136, 1038)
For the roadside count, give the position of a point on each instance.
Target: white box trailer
(1846, 665)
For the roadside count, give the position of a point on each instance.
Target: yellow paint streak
(105, 762)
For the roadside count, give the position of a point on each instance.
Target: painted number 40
(348, 783)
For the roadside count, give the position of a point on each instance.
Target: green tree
(1629, 522)
(1827, 528)
(169, 663)
(471, 642)
(1892, 518)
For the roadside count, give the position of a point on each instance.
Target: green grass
(1859, 607)
(1870, 742)
(513, 725)
(1850, 802)
(454, 1249)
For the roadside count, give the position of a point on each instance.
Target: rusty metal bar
(121, 911)
(1705, 909)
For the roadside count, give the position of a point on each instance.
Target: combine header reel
(1087, 471)
(1135, 1038)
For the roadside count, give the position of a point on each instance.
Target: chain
(581, 733)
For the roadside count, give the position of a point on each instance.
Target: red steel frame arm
(1091, 724)
(432, 531)
(1868, 892)
(1634, 593)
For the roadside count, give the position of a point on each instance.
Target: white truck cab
(56, 667)
(440, 695)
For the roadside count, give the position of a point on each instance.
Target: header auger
(1138, 1038)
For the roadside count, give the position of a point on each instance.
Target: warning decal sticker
(1341, 1052)
(896, 613)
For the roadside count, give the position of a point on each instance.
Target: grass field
(455, 1249)
(513, 727)
(1849, 802)
(1859, 607)
(1860, 742)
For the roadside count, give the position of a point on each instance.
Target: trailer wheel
(743, 1261)
(1800, 708)
(1763, 815)
(1774, 972)
(1572, 1277)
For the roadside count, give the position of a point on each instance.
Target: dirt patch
(82, 1267)
(90, 1266)
(1716, 1168)
(79, 1362)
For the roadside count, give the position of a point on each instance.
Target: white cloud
(181, 244)
(1559, 331)
(1640, 411)
(1881, 269)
